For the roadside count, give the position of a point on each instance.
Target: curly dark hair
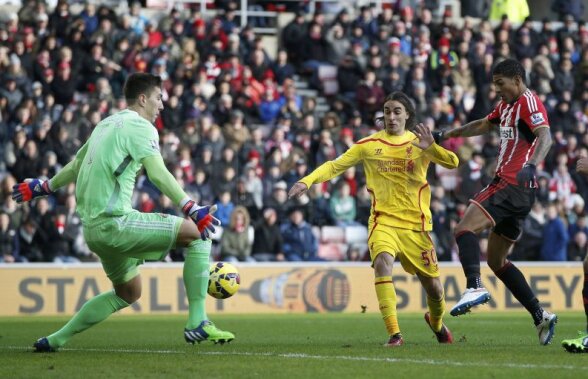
(509, 68)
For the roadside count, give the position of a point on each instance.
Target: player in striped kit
(521, 120)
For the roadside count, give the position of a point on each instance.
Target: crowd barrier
(56, 289)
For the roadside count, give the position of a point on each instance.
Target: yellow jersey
(396, 176)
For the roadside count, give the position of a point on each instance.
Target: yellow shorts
(414, 249)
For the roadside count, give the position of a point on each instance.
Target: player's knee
(130, 291)
(496, 263)
(129, 295)
(134, 295)
(383, 264)
(185, 240)
(188, 233)
(460, 229)
(436, 290)
(433, 287)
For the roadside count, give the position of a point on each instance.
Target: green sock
(92, 312)
(196, 280)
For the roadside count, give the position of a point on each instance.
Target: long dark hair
(408, 104)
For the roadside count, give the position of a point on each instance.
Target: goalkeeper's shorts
(124, 242)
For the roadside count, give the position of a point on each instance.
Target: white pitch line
(128, 351)
(325, 357)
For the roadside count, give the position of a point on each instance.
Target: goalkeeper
(396, 161)
(105, 169)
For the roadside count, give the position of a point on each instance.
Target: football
(224, 280)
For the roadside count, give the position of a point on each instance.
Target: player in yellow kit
(395, 162)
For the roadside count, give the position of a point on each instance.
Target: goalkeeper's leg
(92, 312)
(196, 272)
(196, 275)
(122, 243)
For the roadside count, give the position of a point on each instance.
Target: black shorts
(506, 205)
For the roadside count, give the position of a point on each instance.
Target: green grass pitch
(487, 345)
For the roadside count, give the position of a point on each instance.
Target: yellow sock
(387, 300)
(436, 310)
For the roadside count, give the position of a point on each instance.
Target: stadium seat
(332, 251)
(330, 87)
(156, 4)
(251, 233)
(356, 234)
(316, 231)
(332, 234)
(327, 72)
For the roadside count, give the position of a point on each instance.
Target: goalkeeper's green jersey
(396, 176)
(108, 172)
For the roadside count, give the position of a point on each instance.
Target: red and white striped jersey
(517, 122)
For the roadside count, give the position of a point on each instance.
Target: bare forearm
(474, 128)
(542, 147)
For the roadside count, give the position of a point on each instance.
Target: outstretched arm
(32, 188)
(437, 154)
(327, 171)
(474, 128)
(69, 173)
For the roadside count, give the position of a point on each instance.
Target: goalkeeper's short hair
(140, 83)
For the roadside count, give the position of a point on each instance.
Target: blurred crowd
(235, 130)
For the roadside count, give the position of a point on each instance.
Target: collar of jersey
(130, 111)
